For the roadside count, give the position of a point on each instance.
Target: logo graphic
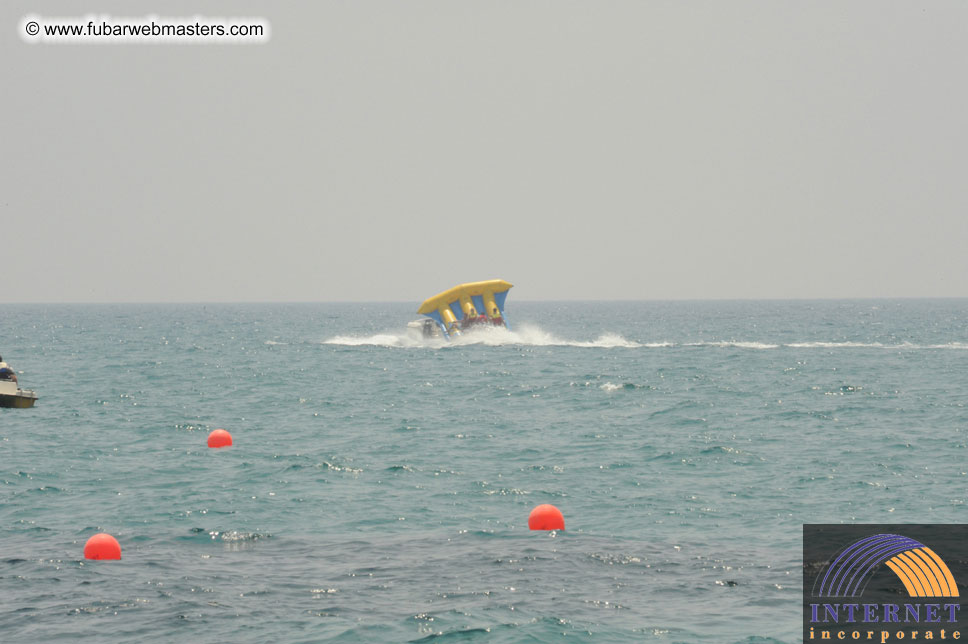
(884, 583)
(919, 568)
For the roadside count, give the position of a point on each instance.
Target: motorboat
(13, 396)
(426, 328)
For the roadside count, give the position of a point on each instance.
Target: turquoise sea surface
(379, 485)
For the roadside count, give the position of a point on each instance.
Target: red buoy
(546, 517)
(102, 546)
(219, 438)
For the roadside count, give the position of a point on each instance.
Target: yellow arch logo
(923, 573)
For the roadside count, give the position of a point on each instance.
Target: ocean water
(379, 485)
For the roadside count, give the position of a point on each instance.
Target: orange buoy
(219, 438)
(546, 517)
(102, 546)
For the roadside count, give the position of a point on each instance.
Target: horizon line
(532, 301)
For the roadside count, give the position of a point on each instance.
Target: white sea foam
(534, 336)
(524, 336)
(737, 344)
(840, 345)
(826, 345)
(378, 340)
(875, 345)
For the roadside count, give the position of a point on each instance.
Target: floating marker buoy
(546, 517)
(102, 546)
(219, 438)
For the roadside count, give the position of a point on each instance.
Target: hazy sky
(580, 150)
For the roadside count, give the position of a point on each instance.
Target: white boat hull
(12, 396)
